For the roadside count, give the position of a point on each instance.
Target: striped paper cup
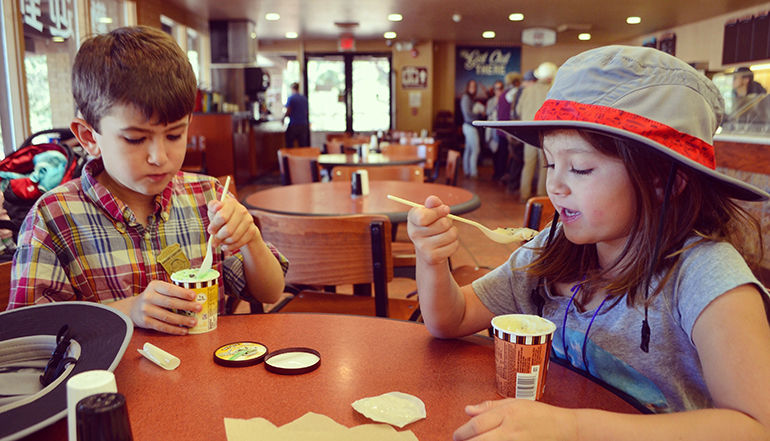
(522, 350)
(206, 293)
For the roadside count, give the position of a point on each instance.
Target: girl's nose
(554, 183)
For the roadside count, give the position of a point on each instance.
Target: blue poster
(485, 64)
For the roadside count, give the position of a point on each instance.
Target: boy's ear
(85, 134)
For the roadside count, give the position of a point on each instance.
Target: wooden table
(334, 199)
(360, 357)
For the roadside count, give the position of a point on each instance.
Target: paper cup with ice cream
(522, 348)
(206, 293)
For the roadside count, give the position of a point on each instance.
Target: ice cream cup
(522, 350)
(206, 293)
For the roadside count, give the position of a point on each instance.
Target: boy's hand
(231, 224)
(434, 237)
(151, 308)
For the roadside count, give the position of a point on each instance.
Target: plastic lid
(240, 354)
(293, 361)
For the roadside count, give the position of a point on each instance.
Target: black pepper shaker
(103, 417)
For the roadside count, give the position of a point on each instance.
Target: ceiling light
(757, 67)
(105, 20)
(584, 36)
(516, 17)
(389, 35)
(488, 34)
(291, 35)
(58, 39)
(272, 16)
(457, 18)
(634, 20)
(395, 17)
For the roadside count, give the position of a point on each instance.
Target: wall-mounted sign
(49, 18)
(538, 37)
(413, 77)
(485, 65)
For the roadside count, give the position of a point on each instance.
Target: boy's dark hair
(140, 66)
(700, 210)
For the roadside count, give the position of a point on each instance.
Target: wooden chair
(381, 173)
(452, 170)
(333, 251)
(195, 155)
(5, 284)
(299, 165)
(538, 212)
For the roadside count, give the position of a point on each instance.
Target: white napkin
(396, 408)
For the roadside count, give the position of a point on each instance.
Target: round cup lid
(240, 354)
(293, 361)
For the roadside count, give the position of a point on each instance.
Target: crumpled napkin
(396, 408)
(310, 427)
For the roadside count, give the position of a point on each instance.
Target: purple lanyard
(575, 290)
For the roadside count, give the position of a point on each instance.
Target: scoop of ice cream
(523, 324)
(191, 275)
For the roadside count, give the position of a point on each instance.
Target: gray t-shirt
(667, 379)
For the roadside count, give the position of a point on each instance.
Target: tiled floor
(498, 209)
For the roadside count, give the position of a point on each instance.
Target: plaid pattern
(81, 243)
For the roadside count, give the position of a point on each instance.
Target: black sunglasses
(57, 364)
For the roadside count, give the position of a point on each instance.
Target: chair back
(412, 173)
(538, 212)
(335, 146)
(333, 250)
(452, 170)
(305, 165)
(5, 284)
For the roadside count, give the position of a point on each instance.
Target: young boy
(102, 238)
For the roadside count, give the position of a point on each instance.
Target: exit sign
(346, 43)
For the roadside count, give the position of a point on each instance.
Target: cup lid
(240, 354)
(293, 361)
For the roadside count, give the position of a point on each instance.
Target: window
(108, 15)
(194, 52)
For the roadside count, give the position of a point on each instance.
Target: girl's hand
(513, 419)
(231, 224)
(151, 308)
(434, 237)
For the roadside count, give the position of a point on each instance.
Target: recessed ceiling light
(272, 16)
(634, 20)
(584, 36)
(58, 39)
(389, 35)
(457, 18)
(488, 34)
(105, 20)
(395, 17)
(516, 17)
(291, 35)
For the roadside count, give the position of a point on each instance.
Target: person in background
(744, 84)
(490, 135)
(503, 113)
(512, 179)
(102, 238)
(531, 99)
(299, 121)
(648, 233)
(470, 113)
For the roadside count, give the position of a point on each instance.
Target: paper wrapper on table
(311, 427)
(396, 408)
(522, 350)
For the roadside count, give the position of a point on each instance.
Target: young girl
(643, 270)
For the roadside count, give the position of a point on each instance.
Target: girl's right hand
(434, 237)
(152, 308)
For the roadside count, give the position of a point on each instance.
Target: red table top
(360, 357)
(334, 199)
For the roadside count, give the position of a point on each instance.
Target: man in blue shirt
(299, 125)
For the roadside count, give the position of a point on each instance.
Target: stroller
(29, 172)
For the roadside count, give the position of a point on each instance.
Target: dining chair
(329, 251)
(412, 173)
(299, 165)
(452, 170)
(5, 284)
(195, 155)
(538, 212)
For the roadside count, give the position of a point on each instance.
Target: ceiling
(432, 19)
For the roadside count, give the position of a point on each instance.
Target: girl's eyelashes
(581, 172)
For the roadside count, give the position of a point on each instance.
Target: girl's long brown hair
(700, 209)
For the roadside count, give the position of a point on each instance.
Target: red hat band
(686, 145)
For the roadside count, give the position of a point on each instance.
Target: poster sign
(413, 77)
(48, 18)
(485, 64)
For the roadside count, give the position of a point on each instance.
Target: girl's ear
(86, 135)
(680, 182)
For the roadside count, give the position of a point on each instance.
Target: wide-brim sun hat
(99, 338)
(642, 95)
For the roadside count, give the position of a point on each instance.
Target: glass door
(349, 92)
